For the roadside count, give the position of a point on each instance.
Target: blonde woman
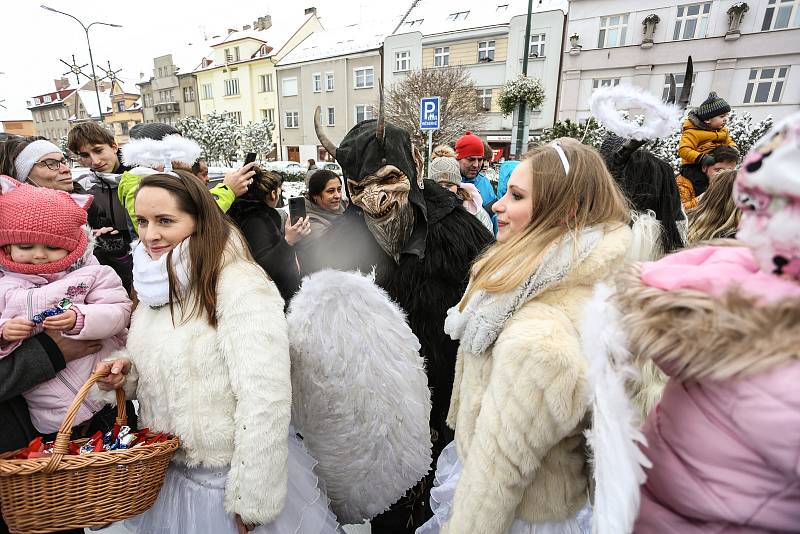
(519, 403)
(716, 214)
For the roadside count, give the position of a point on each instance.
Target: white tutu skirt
(192, 500)
(448, 472)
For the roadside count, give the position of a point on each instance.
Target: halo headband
(561, 154)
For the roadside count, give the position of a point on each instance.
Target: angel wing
(613, 436)
(360, 394)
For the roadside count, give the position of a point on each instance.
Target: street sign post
(430, 118)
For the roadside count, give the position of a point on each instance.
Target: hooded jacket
(103, 311)
(698, 139)
(519, 408)
(724, 440)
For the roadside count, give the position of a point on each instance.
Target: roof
(331, 43)
(431, 17)
(89, 101)
(55, 98)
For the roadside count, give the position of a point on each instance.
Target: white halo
(660, 119)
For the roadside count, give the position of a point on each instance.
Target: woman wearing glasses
(37, 162)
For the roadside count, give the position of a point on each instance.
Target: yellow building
(17, 127)
(125, 112)
(239, 78)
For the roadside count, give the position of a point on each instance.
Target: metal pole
(522, 103)
(430, 147)
(94, 76)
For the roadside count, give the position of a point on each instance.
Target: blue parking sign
(429, 113)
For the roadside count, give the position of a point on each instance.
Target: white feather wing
(360, 393)
(617, 460)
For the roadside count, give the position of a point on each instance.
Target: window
(781, 14)
(364, 77)
(188, 94)
(612, 31)
(268, 115)
(692, 21)
(536, 48)
(124, 126)
(441, 56)
(148, 100)
(363, 112)
(291, 119)
(47, 99)
(50, 114)
(235, 115)
(329, 81)
(160, 74)
(485, 99)
(765, 85)
(289, 86)
(265, 83)
(486, 51)
(232, 87)
(232, 54)
(208, 94)
(402, 61)
(316, 82)
(604, 82)
(460, 15)
(120, 107)
(331, 116)
(678, 86)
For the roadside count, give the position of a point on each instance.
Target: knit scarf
(486, 314)
(150, 279)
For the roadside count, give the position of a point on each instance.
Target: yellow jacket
(698, 139)
(686, 191)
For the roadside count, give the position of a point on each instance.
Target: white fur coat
(225, 392)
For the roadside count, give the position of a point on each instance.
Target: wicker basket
(64, 491)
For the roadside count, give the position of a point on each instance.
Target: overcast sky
(35, 39)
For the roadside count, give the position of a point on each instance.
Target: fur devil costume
(420, 242)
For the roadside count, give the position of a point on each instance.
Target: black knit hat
(154, 130)
(713, 106)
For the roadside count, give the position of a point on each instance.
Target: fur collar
(704, 336)
(695, 122)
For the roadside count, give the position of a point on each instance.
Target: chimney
(263, 23)
(246, 27)
(63, 83)
(231, 30)
(311, 11)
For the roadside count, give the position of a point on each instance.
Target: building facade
(487, 40)
(748, 52)
(51, 111)
(17, 127)
(171, 93)
(337, 70)
(126, 112)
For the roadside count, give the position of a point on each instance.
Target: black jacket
(261, 225)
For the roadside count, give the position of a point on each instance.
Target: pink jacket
(104, 311)
(725, 438)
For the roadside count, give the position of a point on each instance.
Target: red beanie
(41, 216)
(469, 145)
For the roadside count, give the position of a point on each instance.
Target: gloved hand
(706, 160)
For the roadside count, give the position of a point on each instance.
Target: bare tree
(459, 104)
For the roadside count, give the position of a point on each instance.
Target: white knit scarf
(485, 315)
(150, 279)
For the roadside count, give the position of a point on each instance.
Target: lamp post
(89, 44)
(522, 103)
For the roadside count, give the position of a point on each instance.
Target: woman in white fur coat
(208, 359)
(519, 404)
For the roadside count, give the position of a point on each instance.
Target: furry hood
(693, 122)
(702, 336)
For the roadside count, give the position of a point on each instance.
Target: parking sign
(429, 113)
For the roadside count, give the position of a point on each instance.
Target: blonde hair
(716, 214)
(443, 151)
(587, 196)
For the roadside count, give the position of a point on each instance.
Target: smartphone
(249, 158)
(297, 209)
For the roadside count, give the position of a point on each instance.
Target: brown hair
(587, 192)
(10, 149)
(211, 236)
(716, 214)
(88, 133)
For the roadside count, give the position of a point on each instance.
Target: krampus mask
(383, 171)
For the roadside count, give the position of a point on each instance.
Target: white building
(486, 38)
(749, 55)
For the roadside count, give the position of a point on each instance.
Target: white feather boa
(660, 119)
(152, 152)
(360, 393)
(614, 433)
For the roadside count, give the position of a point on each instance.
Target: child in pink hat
(49, 280)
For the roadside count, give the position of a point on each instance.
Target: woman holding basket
(208, 360)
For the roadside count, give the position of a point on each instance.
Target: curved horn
(329, 146)
(683, 100)
(380, 130)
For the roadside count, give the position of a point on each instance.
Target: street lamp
(91, 59)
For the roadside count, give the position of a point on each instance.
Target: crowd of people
(180, 293)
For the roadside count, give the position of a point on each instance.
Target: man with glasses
(470, 156)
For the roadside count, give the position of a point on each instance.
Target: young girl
(519, 402)
(444, 170)
(208, 360)
(50, 280)
(716, 214)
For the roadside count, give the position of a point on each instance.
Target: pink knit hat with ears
(41, 216)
